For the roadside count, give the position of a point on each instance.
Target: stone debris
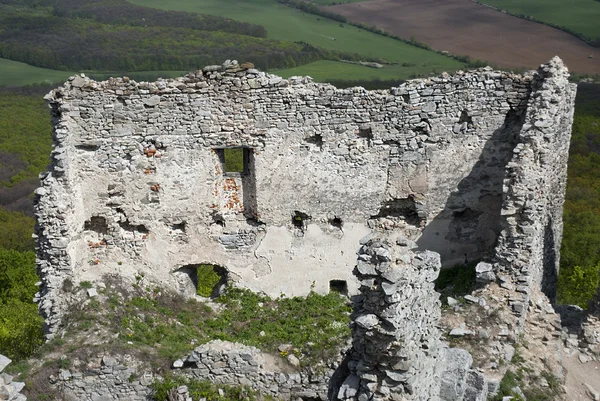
(9, 390)
(223, 362)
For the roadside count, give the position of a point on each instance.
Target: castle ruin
(279, 182)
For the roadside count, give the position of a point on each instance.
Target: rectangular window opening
(235, 160)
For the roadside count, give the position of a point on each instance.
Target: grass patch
(456, 281)
(14, 73)
(326, 70)
(200, 389)
(286, 23)
(168, 327)
(581, 16)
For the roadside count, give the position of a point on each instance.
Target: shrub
(208, 278)
(20, 324)
(20, 329)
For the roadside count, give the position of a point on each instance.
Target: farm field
(14, 73)
(581, 16)
(285, 23)
(325, 70)
(465, 27)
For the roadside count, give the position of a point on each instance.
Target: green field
(324, 70)
(581, 16)
(13, 73)
(286, 23)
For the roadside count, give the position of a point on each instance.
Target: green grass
(14, 73)
(581, 16)
(25, 131)
(325, 70)
(286, 23)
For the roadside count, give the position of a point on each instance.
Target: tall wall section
(528, 252)
(140, 182)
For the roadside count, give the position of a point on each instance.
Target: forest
(99, 35)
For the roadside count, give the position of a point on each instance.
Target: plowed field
(465, 27)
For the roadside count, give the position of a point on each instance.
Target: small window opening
(300, 219)
(179, 226)
(366, 133)
(316, 139)
(339, 286)
(97, 224)
(465, 118)
(218, 219)
(87, 147)
(235, 160)
(336, 222)
(206, 280)
(210, 280)
(127, 226)
(403, 208)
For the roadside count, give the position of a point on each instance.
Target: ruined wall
(528, 252)
(397, 352)
(137, 182)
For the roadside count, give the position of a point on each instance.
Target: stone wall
(137, 183)
(528, 252)
(10, 390)
(124, 378)
(397, 352)
(222, 362)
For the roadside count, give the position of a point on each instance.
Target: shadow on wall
(549, 283)
(470, 223)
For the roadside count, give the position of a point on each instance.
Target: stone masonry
(460, 168)
(459, 163)
(396, 350)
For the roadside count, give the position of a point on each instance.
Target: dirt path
(465, 27)
(579, 373)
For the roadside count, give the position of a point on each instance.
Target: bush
(207, 280)
(20, 324)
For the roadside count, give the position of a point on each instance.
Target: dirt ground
(464, 27)
(578, 375)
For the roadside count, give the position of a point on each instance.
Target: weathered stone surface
(454, 164)
(387, 363)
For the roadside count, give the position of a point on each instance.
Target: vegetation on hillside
(25, 137)
(580, 251)
(286, 23)
(20, 324)
(46, 40)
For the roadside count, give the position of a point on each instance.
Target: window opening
(336, 222)
(339, 286)
(300, 219)
(235, 160)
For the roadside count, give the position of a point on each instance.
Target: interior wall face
(428, 157)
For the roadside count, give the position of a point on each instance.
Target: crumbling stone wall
(528, 252)
(397, 352)
(137, 183)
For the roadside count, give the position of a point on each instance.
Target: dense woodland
(100, 35)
